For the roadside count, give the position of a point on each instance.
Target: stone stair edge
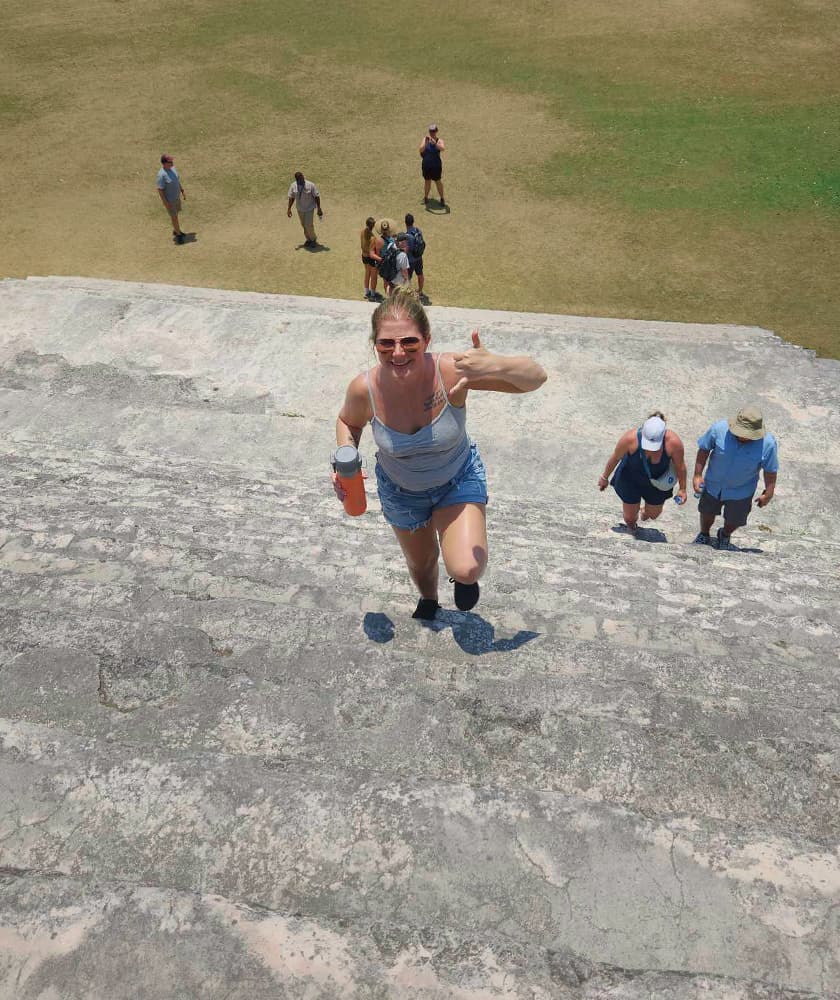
(325, 759)
(352, 308)
(559, 969)
(385, 620)
(29, 732)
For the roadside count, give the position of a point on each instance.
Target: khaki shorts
(173, 207)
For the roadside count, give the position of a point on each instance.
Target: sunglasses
(407, 343)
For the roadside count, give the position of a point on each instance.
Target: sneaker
(702, 539)
(426, 609)
(179, 238)
(466, 595)
(723, 542)
(368, 294)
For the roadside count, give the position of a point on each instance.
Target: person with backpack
(649, 461)
(384, 251)
(380, 243)
(401, 276)
(416, 249)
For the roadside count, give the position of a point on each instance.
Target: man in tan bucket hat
(736, 450)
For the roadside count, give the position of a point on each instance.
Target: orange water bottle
(347, 463)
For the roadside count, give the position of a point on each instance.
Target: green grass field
(672, 160)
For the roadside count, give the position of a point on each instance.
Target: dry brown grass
(94, 99)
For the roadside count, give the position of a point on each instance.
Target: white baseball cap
(653, 433)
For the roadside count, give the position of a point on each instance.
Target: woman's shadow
(471, 632)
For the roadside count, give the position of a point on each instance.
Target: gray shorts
(173, 207)
(735, 512)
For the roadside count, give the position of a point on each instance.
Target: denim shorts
(408, 510)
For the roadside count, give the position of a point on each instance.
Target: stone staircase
(233, 766)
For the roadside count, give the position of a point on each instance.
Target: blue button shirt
(733, 469)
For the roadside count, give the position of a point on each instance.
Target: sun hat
(748, 423)
(433, 128)
(653, 433)
(385, 226)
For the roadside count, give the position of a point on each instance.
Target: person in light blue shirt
(171, 193)
(736, 450)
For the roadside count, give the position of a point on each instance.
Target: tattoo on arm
(434, 400)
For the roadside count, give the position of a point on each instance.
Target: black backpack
(387, 267)
(416, 243)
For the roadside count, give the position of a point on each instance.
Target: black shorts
(735, 512)
(369, 261)
(632, 490)
(415, 265)
(432, 173)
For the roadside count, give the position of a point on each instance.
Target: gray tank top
(431, 456)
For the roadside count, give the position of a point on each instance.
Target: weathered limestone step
(794, 640)
(349, 579)
(268, 445)
(536, 867)
(213, 558)
(288, 636)
(642, 738)
(217, 949)
(67, 289)
(131, 499)
(143, 518)
(240, 348)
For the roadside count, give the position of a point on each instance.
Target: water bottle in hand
(347, 463)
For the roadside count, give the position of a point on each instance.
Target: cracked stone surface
(232, 766)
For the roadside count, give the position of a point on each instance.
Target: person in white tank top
(415, 402)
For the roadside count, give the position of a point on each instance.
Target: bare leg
(728, 529)
(439, 186)
(176, 227)
(427, 186)
(374, 276)
(706, 522)
(420, 283)
(462, 529)
(651, 511)
(421, 552)
(631, 515)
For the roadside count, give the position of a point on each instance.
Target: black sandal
(426, 609)
(466, 595)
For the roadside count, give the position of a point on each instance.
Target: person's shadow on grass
(470, 631)
(313, 247)
(186, 238)
(434, 207)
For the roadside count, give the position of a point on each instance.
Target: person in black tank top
(431, 164)
(641, 454)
